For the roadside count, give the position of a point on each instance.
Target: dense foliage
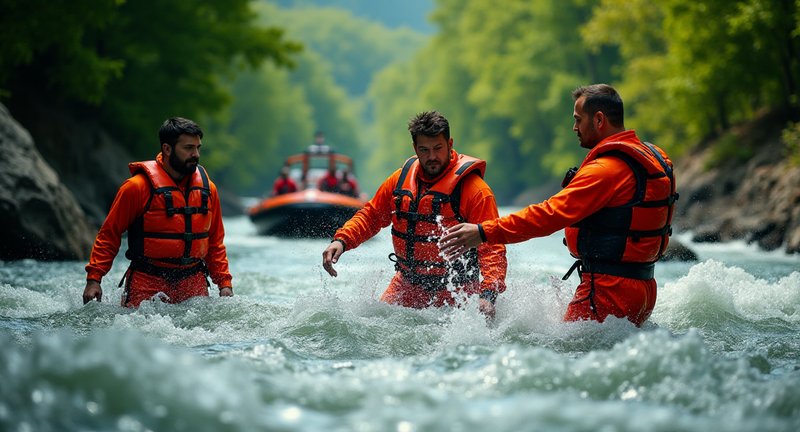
(136, 62)
(275, 112)
(687, 70)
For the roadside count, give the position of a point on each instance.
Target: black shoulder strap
(404, 174)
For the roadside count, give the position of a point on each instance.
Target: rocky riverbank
(39, 216)
(750, 193)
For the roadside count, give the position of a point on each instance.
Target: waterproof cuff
(344, 245)
(489, 295)
(482, 233)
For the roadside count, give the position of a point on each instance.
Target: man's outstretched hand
(459, 239)
(331, 255)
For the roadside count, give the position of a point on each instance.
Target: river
(296, 350)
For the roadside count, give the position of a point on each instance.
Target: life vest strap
(414, 238)
(430, 282)
(176, 236)
(402, 264)
(640, 271)
(416, 217)
(188, 210)
(170, 274)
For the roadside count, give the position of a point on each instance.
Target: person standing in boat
(432, 191)
(348, 184)
(616, 210)
(329, 182)
(283, 184)
(171, 211)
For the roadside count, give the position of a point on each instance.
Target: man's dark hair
(174, 127)
(602, 97)
(429, 123)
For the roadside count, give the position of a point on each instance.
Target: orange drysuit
(163, 261)
(416, 227)
(604, 181)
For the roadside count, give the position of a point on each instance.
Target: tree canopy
(686, 70)
(136, 62)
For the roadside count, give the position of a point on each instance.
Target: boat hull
(308, 213)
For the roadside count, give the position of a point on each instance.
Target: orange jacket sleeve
(478, 205)
(217, 257)
(604, 182)
(128, 204)
(375, 215)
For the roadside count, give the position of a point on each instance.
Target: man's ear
(166, 149)
(599, 119)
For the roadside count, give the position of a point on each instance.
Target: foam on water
(297, 350)
(712, 291)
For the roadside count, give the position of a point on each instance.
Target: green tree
(695, 67)
(137, 62)
(274, 114)
(345, 54)
(503, 76)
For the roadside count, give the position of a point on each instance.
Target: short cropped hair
(174, 127)
(429, 123)
(603, 98)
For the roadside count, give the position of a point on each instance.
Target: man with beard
(171, 211)
(616, 210)
(431, 192)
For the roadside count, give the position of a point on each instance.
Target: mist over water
(297, 350)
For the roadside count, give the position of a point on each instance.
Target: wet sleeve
(127, 206)
(217, 257)
(478, 205)
(601, 183)
(369, 220)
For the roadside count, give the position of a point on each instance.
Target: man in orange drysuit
(432, 191)
(171, 211)
(284, 184)
(616, 210)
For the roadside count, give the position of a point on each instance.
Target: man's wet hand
(487, 308)
(459, 239)
(226, 292)
(331, 255)
(92, 291)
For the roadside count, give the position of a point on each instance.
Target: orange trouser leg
(143, 286)
(613, 295)
(402, 293)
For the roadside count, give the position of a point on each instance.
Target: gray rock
(87, 159)
(677, 251)
(757, 200)
(39, 217)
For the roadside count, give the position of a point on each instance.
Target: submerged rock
(39, 217)
(677, 251)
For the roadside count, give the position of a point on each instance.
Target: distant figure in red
(347, 184)
(284, 184)
(329, 182)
